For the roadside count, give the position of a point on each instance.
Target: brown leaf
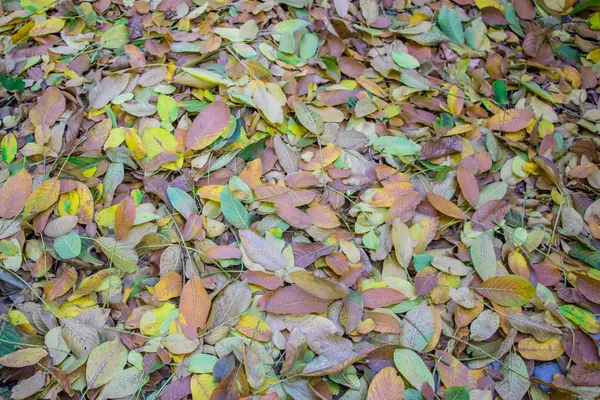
(585, 374)
(307, 253)
(489, 214)
(49, 107)
(124, 218)
(441, 147)
(525, 9)
(381, 297)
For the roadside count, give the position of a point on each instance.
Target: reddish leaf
(208, 126)
(525, 9)
(381, 297)
(468, 185)
(489, 214)
(292, 300)
(14, 194)
(307, 253)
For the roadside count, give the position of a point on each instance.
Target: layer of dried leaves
(376, 199)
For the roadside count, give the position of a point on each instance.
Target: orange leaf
(60, 285)
(511, 120)
(194, 307)
(252, 173)
(168, 287)
(14, 194)
(388, 195)
(445, 206)
(386, 385)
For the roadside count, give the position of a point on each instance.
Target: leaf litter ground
(299, 200)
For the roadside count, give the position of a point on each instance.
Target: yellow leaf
(549, 350)
(488, 3)
(115, 138)
(23, 358)
(47, 27)
(594, 56)
(17, 318)
(106, 216)
(71, 309)
(68, 203)
(42, 198)
(151, 320)
(254, 328)
(202, 386)
(456, 100)
(134, 143)
(211, 192)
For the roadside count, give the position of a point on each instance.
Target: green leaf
(585, 5)
(181, 201)
(483, 256)
(500, 93)
(12, 84)
(202, 363)
(457, 393)
(450, 25)
(580, 317)
(116, 37)
(291, 25)
(535, 88)
(168, 110)
(585, 254)
(8, 147)
(371, 240)
(405, 60)
(412, 368)
(121, 254)
(414, 80)
(8, 249)
(412, 394)
(233, 210)
(68, 246)
(513, 21)
(396, 145)
(421, 261)
(309, 45)
(9, 338)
